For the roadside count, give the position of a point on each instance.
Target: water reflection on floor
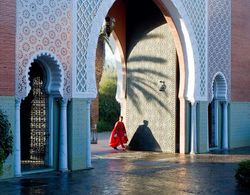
(117, 172)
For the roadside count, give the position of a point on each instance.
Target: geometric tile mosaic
(86, 11)
(196, 10)
(43, 25)
(46, 25)
(197, 13)
(219, 41)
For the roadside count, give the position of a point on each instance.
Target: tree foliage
(109, 108)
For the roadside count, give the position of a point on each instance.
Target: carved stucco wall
(43, 27)
(46, 25)
(90, 15)
(152, 59)
(219, 43)
(196, 10)
(86, 11)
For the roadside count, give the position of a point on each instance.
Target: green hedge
(243, 172)
(104, 126)
(6, 139)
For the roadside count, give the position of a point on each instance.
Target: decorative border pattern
(56, 75)
(90, 16)
(196, 10)
(46, 25)
(43, 25)
(86, 11)
(219, 42)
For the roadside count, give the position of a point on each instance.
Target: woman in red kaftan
(118, 135)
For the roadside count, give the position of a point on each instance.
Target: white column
(63, 150)
(193, 148)
(225, 126)
(88, 133)
(17, 140)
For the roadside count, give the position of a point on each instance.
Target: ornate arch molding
(54, 70)
(85, 81)
(219, 88)
(190, 88)
(219, 42)
(85, 84)
(94, 34)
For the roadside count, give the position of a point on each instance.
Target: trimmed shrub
(243, 173)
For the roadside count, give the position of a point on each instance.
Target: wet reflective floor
(118, 172)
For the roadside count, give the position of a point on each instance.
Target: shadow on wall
(144, 140)
(139, 80)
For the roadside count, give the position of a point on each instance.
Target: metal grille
(38, 133)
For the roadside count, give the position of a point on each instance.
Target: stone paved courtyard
(130, 172)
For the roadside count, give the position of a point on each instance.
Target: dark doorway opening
(34, 123)
(212, 125)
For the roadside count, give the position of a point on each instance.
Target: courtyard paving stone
(132, 172)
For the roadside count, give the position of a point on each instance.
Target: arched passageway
(106, 71)
(153, 76)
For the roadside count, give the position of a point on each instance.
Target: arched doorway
(34, 122)
(217, 114)
(105, 108)
(39, 114)
(167, 57)
(186, 50)
(213, 124)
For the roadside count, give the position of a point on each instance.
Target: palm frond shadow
(139, 81)
(146, 72)
(152, 36)
(148, 59)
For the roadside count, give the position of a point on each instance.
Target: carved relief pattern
(86, 11)
(196, 10)
(219, 42)
(143, 83)
(43, 25)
